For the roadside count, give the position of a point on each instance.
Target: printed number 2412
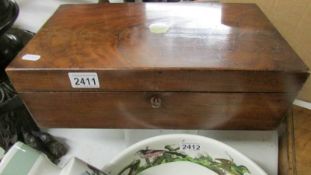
(190, 147)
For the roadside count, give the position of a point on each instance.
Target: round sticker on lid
(159, 27)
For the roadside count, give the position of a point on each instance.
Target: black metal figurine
(16, 123)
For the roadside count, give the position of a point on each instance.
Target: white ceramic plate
(182, 154)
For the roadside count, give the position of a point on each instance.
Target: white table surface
(98, 146)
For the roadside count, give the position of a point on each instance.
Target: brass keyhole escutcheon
(155, 102)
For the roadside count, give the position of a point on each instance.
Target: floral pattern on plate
(149, 158)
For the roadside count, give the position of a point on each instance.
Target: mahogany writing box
(176, 65)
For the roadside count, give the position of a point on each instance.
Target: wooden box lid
(203, 47)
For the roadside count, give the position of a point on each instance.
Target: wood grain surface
(220, 66)
(295, 143)
(201, 35)
(115, 41)
(287, 157)
(302, 123)
(177, 110)
(162, 80)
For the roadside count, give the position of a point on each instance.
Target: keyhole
(155, 102)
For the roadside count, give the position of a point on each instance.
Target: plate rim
(160, 138)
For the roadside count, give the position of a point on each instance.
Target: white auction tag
(84, 79)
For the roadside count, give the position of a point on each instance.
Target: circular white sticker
(159, 27)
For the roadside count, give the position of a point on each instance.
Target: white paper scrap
(31, 57)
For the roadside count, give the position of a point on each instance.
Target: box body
(177, 65)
